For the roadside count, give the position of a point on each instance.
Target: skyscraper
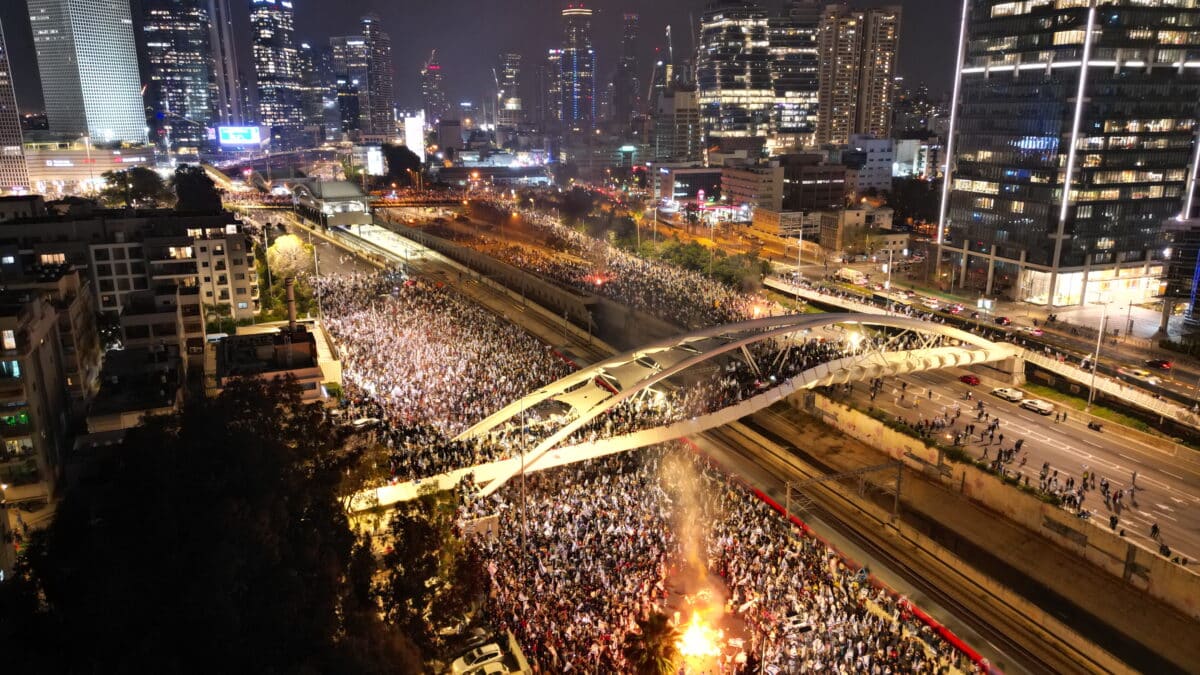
(232, 107)
(351, 70)
(183, 92)
(857, 72)
(1069, 148)
(88, 63)
(578, 64)
(379, 109)
(678, 129)
(277, 69)
(14, 175)
(316, 83)
(509, 110)
(549, 88)
(626, 85)
(433, 93)
(734, 69)
(795, 63)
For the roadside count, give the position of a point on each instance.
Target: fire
(699, 640)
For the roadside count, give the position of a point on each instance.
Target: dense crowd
(426, 357)
(680, 296)
(605, 549)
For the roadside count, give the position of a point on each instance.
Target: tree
(289, 256)
(401, 160)
(211, 539)
(653, 649)
(577, 203)
(136, 186)
(194, 190)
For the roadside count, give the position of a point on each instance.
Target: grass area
(1097, 411)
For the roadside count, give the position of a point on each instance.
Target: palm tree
(653, 650)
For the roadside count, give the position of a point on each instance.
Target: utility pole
(1096, 361)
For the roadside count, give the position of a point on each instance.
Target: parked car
(1038, 406)
(1008, 394)
(477, 657)
(1160, 364)
(1003, 321)
(969, 379)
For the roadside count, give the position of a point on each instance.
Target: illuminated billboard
(414, 134)
(240, 136)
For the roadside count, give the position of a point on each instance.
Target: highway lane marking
(1172, 475)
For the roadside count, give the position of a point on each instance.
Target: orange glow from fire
(699, 640)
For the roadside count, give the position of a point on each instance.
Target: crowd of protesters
(604, 548)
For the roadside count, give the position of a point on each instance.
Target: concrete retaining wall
(1171, 583)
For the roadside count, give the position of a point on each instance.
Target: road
(1168, 487)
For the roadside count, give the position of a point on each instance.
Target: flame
(699, 640)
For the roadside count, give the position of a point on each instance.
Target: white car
(1038, 406)
(493, 668)
(1008, 394)
(480, 656)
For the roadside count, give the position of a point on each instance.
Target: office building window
(9, 339)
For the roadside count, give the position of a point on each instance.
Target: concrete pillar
(1168, 310)
(1050, 292)
(1014, 367)
(991, 273)
(962, 266)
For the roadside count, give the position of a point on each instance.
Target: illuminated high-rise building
(87, 60)
(857, 72)
(351, 66)
(626, 84)
(794, 59)
(182, 92)
(277, 69)
(378, 100)
(433, 91)
(232, 106)
(578, 68)
(14, 175)
(509, 108)
(1072, 140)
(549, 89)
(733, 70)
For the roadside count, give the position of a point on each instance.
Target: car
(1139, 374)
(1032, 330)
(1003, 321)
(1008, 394)
(1160, 364)
(1038, 406)
(494, 668)
(480, 656)
(955, 309)
(969, 379)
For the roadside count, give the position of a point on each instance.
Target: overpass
(568, 415)
(1130, 394)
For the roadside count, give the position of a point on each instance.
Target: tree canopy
(212, 540)
(135, 186)
(400, 160)
(194, 190)
(289, 256)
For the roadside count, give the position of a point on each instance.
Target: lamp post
(1096, 361)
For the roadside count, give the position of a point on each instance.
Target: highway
(1168, 488)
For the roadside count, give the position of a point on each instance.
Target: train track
(1016, 639)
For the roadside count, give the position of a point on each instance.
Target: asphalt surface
(1167, 489)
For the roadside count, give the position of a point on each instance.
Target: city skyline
(530, 29)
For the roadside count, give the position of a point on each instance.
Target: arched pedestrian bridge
(702, 380)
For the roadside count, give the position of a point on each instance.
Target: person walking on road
(1154, 531)
(1133, 480)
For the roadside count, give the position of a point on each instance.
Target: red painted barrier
(942, 631)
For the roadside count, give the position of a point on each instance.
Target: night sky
(469, 33)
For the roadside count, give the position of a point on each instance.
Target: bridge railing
(1115, 388)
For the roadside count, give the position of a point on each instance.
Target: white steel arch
(635, 371)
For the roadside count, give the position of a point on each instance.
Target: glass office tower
(1101, 96)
